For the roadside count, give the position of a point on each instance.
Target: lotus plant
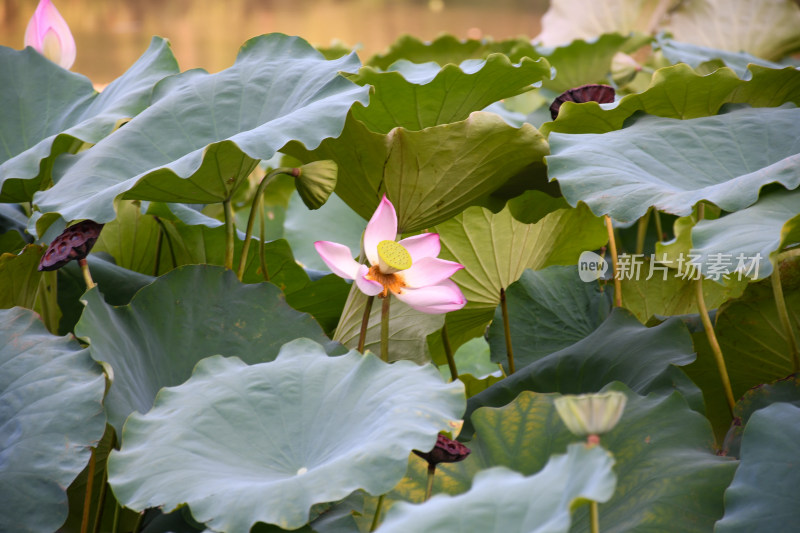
(48, 33)
(408, 268)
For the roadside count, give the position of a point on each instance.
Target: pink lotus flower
(48, 34)
(408, 268)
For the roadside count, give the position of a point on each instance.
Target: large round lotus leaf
(48, 110)
(664, 162)
(502, 500)
(762, 496)
(432, 174)
(51, 413)
(443, 50)
(750, 239)
(680, 92)
(204, 133)
(695, 55)
(620, 349)
(663, 452)
(567, 20)
(417, 96)
(496, 248)
(19, 277)
(186, 315)
(548, 310)
(242, 444)
(765, 29)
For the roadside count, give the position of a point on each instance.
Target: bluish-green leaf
(276, 438)
(205, 132)
(50, 414)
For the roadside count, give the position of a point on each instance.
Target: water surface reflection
(111, 34)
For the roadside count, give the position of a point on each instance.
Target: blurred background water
(112, 34)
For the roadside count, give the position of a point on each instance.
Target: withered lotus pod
(74, 243)
(446, 450)
(603, 94)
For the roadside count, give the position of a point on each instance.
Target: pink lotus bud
(48, 34)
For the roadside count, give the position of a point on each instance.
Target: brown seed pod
(603, 94)
(74, 243)
(446, 451)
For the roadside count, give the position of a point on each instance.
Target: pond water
(111, 34)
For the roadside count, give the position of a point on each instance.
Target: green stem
(159, 243)
(507, 331)
(138, 526)
(256, 207)
(377, 517)
(169, 243)
(87, 276)
(262, 253)
(712, 341)
(429, 486)
(448, 352)
(48, 300)
(87, 499)
(783, 315)
(659, 229)
(612, 245)
(385, 328)
(641, 232)
(594, 515)
(101, 502)
(115, 522)
(362, 337)
(230, 232)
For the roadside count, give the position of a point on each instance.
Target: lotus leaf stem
(429, 485)
(448, 352)
(612, 245)
(385, 328)
(507, 331)
(659, 229)
(712, 341)
(641, 232)
(258, 199)
(377, 517)
(594, 516)
(87, 276)
(783, 316)
(262, 253)
(362, 337)
(48, 300)
(230, 233)
(87, 499)
(101, 502)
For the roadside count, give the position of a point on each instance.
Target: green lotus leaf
(414, 96)
(581, 62)
(333, 222)
(662, 448)
(117, 285)
(548, 310)
(783, 390)
(680, 92)
(19, 277)
(621, 349)
(661, 291)
(664, 162)
(748, 241)
(502, 500)
(49, 111)
(695, 55)
(279, 437)
(186, 315)
(753, 342)
(204, 133)
(760, 497)
(764, 29)
(445, 49)
(51, 394)
(429, 175)
(495, 249)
